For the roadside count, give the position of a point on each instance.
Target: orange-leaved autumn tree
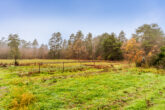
(132, 51)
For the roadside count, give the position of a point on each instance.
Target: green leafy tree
(4, 49)
(89, 48)
(122, 37)
(64, 49)
(35, 43)
(111, 47)
(98, 46)
(78, 45)
(159, 59)
(55, 44)
(150, 36)
(13, 43)
(70, 51)
(43, 50)
(35, 46)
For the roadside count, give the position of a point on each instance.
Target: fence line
(63, 64)
(37, 63)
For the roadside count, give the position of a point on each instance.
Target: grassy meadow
(81, 86)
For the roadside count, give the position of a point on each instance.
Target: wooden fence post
(63, 67)
(94, 63)
(39, 67)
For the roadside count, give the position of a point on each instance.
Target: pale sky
(40, 18)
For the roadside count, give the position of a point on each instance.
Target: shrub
(159, 60)
(21, 100)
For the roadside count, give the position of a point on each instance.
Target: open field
(88, 85)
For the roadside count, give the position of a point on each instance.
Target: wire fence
(51, 67)
(63, 65)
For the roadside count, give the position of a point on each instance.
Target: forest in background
(145, 47)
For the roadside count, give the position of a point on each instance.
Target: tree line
(145, 47)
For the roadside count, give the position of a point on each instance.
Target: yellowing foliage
(21, 100)
(132, 51)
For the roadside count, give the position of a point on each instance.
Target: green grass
(122, 86)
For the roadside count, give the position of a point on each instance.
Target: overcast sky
(40, 18)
